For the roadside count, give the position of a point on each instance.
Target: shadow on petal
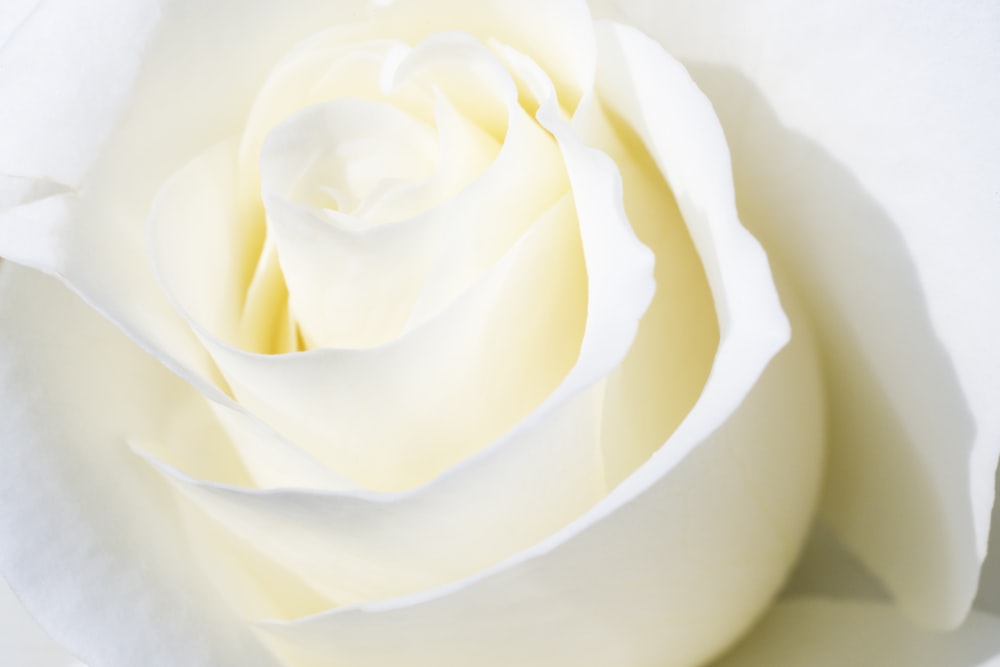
(903, 487)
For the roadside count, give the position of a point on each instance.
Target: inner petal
(334, 155)
(486, 361)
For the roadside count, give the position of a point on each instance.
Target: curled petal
(683, 599)
(870, 173)
(676, 561)
(115, 150)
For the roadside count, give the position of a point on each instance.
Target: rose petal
(31, 230)
(343, 61)
(49, 99)
(23, 642)
(865, 150)
(88, 538)
(551, 458)
(558, 34)
(670, 527)
(666, 570)
(827, 633)
(355, 547)
(12, 15)
(115, 149)
(334, 402)
(660, 380)
(339, 266)
(340, 293)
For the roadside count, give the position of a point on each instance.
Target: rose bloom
(449, 333)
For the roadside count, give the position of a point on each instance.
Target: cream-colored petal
(466, 151)
(486, 220)
(351, 563)
(88, 537)
(664, 373)
(679, 558)
(827, 633)
(23, 642)
(865, 148)
(197, 245)
(342, 61)
(354, 283)
(361, 546)
(451, 386)
(558, 34)
(667, 570)
(310, 400)
(338, 296)
(114, 150)
(200, 257)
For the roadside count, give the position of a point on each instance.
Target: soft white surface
(88, 536)
(865, 149)
(948, 395)
(22, 642)
(826, 633)
(677, 524)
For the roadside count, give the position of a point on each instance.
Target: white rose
(392, 377)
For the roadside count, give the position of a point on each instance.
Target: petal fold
(88, 537)
(23, 642)
(865, 154)
(734, 478)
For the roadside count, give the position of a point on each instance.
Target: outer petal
(866, 151)
(824, 633)
(88, 536)
(22, 642)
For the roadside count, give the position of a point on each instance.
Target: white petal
(32, 228)
(359, 546)
(558, 34)
(353, 278)
(88, 538)
(666, 570)
(51, 61)
(170, 87)
(865, 148)
(12, 15)
(23, 642)
(827, 633)
(551, 458)
(674, 562)
(271, 460)
(513, 349)
(203, 280)
(662, 377)
(343, 61)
